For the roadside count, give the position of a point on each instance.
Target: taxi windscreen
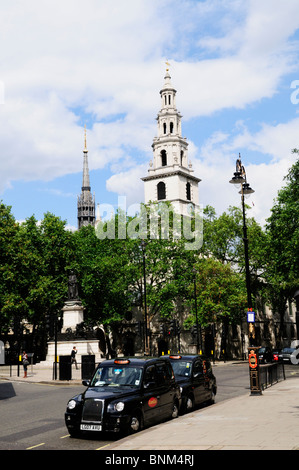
(117, 375)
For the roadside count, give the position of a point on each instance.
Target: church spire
(86, 201)
(85, 183)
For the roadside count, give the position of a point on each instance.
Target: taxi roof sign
(121, 361)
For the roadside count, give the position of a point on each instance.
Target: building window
(169, 99)
(164, 127)
(163, 158)
(161, 190)
(171, 128)
(188, 191)
(182, 156)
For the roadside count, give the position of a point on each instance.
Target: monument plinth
(73, 315)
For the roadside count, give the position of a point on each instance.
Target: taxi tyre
(136, 422)
(175, 410)
(189, 404)
(213, 397)
(74, 433)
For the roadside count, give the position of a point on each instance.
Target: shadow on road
(6, 390)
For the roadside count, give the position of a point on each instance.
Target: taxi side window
(197, 369)
(149, 376)
(163, 374)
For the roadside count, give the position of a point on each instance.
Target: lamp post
(146, 346)
(198, 346)
(239, 178)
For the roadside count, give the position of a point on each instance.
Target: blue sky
(102, 63)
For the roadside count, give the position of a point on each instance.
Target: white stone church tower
(170, 175)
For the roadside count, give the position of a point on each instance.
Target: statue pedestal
(84, 348)
(72, 315)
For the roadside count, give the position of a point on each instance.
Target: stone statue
(73, 287)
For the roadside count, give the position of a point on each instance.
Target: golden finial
(85, 148)
(168, 65)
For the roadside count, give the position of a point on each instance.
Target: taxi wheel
(135, 423)
(175, 410)
(189, 404)
(213, 396)
(75, 433)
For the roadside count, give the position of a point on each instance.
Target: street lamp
(239, 178)
(198, 346)
(146, 346)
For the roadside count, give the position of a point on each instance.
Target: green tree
(10, 302)
(221, 293)
(283, 243)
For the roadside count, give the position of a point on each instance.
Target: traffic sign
(250, 317)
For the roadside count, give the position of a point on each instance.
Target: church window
(164, 127)
(163, 158)
(161, 190)
(169, 99)
(188, 191)
(182, 156)
(171, 128)
(165, 99)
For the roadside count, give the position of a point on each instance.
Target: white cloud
(129, 184)
(67, 62)
(216, 164)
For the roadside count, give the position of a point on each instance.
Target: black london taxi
(125, 395)
(196, 379)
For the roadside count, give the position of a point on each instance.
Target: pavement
(248, 422)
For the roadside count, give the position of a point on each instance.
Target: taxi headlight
(71, 404)
(119, 406)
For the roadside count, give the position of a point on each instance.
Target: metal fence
(270, 374)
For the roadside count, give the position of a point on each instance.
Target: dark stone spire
(86, 201)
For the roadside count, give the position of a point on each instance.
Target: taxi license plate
(91, 427)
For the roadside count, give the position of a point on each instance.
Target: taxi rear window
(182, 368)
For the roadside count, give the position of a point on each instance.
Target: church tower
(86, 201)
(170, 175)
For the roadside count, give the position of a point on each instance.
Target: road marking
(37, 445)
(107, 445)
(63, 437)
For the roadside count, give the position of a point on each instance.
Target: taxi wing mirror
(86, 383)
(197, 374)
(149, 385)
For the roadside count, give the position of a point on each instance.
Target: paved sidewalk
(262, 422)
(39, 373)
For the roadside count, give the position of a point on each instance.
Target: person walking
(25, 363)
(73, 356)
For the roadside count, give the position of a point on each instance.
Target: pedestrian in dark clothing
(25, 363)
(73, 356)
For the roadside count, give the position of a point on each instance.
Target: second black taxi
(195, 377)
(125, 394)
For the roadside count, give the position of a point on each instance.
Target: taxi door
(151, 395)
(198, 382)
(166, 389)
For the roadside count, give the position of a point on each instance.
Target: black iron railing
(270, 374)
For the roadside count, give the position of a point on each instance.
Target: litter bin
(87, 366)
(65, 368)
